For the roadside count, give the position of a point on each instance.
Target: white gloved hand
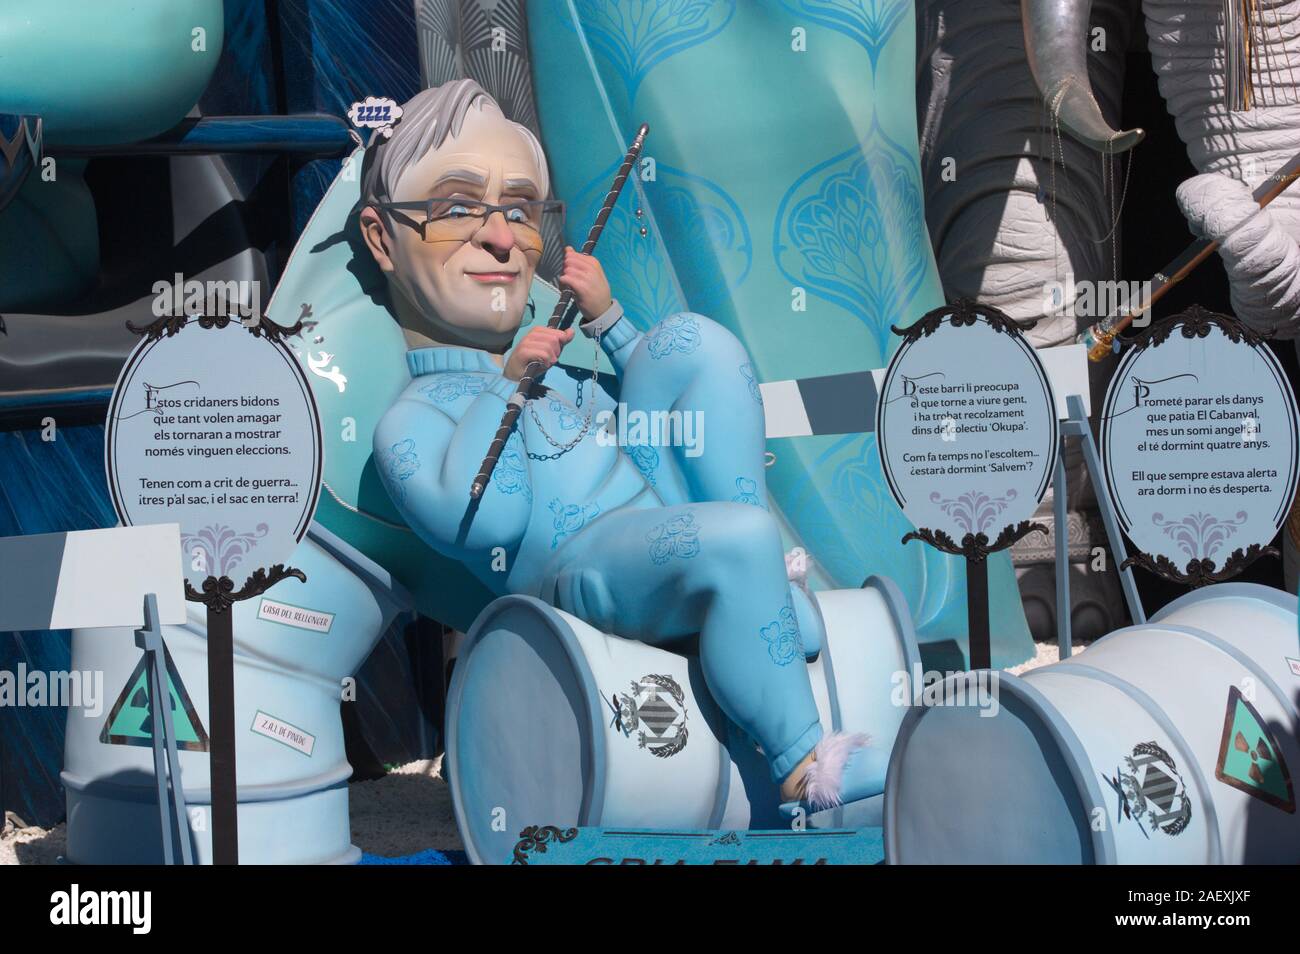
(1262, 258)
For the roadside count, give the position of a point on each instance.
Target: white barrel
(293, 647)
(1172, 742)
(552, 722)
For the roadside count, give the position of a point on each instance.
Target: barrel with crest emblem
(552, 722)
(293, 647)
(1165, 743)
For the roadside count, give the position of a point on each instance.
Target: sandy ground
(406, 811)
(1046, 653)
(21, 845)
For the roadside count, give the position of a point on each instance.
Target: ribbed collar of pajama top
(565, 491)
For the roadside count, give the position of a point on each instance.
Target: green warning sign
(1249, 757)
(130, 721)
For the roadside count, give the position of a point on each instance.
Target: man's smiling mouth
(493, 277)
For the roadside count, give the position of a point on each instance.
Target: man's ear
(373, 231)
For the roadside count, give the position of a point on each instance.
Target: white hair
(428, 119)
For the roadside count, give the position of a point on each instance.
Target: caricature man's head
(465, 276)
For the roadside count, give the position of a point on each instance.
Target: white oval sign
(966, 424)
(1198, 440)
(215, 428)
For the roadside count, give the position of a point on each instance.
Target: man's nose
(496, 237)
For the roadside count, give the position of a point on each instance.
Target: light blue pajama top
(430, 444)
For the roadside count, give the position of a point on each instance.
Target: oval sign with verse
(1198, 440)
(966, 424)
(213, 426)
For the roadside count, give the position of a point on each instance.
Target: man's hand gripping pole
(536, 370)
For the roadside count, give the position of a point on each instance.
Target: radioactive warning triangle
(1249, 756)
(130, 721)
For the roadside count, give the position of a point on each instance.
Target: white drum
(1171, 742)
(551, 722)
(293, 647)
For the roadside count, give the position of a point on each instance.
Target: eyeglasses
(456, 220)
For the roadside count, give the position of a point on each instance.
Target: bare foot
(792, 787)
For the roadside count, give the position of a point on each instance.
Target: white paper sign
(281, 731)
(90, 578)
(297, 616)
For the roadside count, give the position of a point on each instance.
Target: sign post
(212, 425)
(1076, 425)
(171, 791)
(966, 427)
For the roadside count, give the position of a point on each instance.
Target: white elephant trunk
(1192, 44)
(1188, 53)
(1189, 50)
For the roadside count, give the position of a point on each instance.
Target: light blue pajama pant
(710, 560)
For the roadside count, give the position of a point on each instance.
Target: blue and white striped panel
(833, 404)
(846, 403)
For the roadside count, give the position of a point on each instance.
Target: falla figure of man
(646, 542)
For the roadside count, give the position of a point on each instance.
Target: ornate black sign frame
(1194, 322)
(218, 595)
(974, 547)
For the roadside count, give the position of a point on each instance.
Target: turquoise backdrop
(780, 194)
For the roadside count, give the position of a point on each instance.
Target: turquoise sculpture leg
(692, 367)
(664, 573)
